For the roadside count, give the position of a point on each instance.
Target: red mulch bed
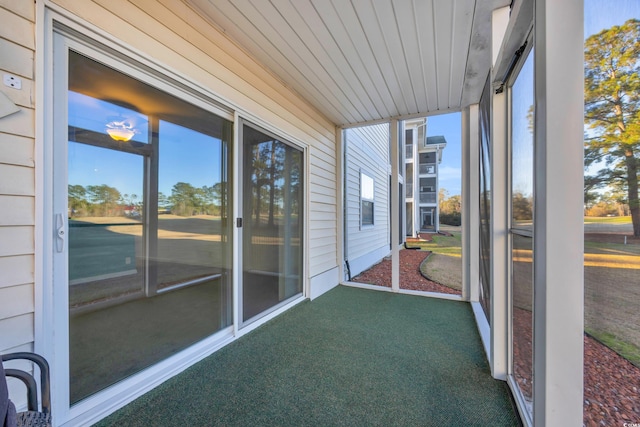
(611, 387)
(611, 383)
(410, 276)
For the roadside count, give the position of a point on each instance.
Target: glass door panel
(149, 241)
(522, 225)
(485, 200)
(106, 258)
(191, 207)
(272, 222)
(522, 282)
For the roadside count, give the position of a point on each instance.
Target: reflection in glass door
(522, 225)
(272, 222)
(148, 200)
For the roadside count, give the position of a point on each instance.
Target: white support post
(558, 230)
(395, 221)
(340, 213)
(470, 203)
(499, 282)
(499, 163)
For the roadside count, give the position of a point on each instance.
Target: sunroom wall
(17, 179)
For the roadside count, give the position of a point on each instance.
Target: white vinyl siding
(368, 153)
(17, 179)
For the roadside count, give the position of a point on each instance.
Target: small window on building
(366, 199)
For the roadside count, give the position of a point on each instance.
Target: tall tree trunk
(272, 183)
(632, 184)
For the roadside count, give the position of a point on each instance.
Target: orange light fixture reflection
(121, 130)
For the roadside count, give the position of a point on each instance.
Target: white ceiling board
(426, 40)
(376, 43)
(363, 60)
(390, 31)
(463, 20)
(366, 60)
(408, 24)
(323, 32)
(262, 41)
(296, 57)
(443, 20)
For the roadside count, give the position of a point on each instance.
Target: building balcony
(409, 152)
(428, 197)
(426, 169)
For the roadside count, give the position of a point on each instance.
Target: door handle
(60, 232)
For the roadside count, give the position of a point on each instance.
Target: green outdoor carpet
(352, 357)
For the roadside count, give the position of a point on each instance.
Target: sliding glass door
(149, 250)
(142, 201)
(272, 223)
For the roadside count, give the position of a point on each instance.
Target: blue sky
(185, 155)
(603, 14)
(450, 169)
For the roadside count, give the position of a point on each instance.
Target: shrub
(453, 218)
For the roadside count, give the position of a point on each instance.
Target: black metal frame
(29, 380)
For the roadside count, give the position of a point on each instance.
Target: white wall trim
(471, 203)
(436, 295)
(483, 327)
(370, 287)
(366, 286)
(324, 282)
(362, 263)
(340, 212)
(395, 200)
(499, 282)
(558, 329)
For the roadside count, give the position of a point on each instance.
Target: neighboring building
(423, 156)
(367, 226)
(232, 115)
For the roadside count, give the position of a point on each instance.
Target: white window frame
(363, 198)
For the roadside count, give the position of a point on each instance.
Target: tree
(450, 208)
(104, 199)
(612, 108)
(522, 206)
(77, 200)
(163, 202)
(185, 199)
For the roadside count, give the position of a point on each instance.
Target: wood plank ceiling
(360, 61)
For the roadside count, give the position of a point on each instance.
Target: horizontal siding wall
(367, 151)
(17, 178)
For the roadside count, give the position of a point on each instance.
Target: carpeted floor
(352, 357)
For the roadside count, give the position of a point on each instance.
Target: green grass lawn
(608, 220)
(444, 265)
(445, 245)
(611, 248)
